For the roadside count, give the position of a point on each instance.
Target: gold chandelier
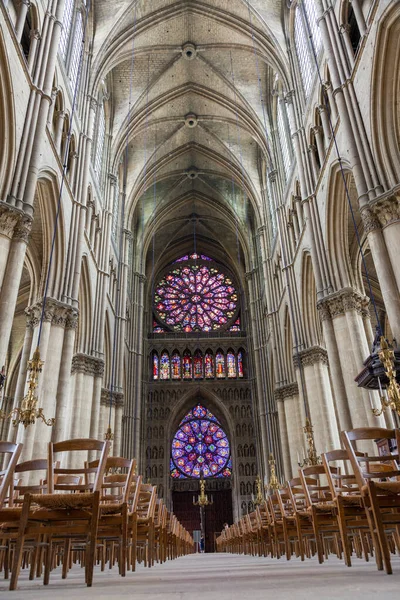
(312, 458)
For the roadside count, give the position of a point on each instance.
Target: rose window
(195, 298)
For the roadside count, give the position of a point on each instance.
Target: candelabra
(312, 457)
(109, 436)
(273, 484)
(391, 397)
(202, 498)
(259, 498)
(28, 412)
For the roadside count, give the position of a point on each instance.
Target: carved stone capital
(9, 217)
(272, 175)
(114, 398)
(370, 220)
(388, 210)
(55, 312)
(22, 229)
(89, 365)
(341, 302)
(289, 97)
(286, 391)
(311, 356)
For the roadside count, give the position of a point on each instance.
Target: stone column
(387, 210)
(21, 18)
(325, 124)
(358, 13)
(59, 131)
(64, 399)
(320, 400)
(320, 144)
(345, 32)
(385, 263)
(11, 280)
(295, 422)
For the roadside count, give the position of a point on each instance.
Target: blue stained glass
(200, 447)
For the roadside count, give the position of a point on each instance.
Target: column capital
(317, 129)
(339, 303)
(387, 208)
(370, 220)
(89, 365)
(55, 312)
(286, 391)
(9, 217)
(114, 398)
(22, 229)
(311, 356)
(289, 97)
(272, 175)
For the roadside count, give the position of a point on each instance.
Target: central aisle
(222, 577)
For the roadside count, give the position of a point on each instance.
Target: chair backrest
(340, 480)
(315, 490)
(12, 452)
(146, 501)
(84, 471)
(118, 477)
(372, 467)
(25, 484)
(297, 494)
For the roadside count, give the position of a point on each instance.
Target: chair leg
(49, 558)
(380, 532)
(91, 549)
(65, 564)
(19, 547)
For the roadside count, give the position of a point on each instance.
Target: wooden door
(216, 515)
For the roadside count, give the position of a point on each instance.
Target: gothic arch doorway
(200, 448)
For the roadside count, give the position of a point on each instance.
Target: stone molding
(116, 398)
(311, 356)
(338, 304)
(89, 365)
(286, 391)
(55, 312)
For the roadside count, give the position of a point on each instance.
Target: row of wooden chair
(348, 504)
(74, 508)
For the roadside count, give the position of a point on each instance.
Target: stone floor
(223, 577)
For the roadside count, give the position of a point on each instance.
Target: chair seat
(323, 507)
(351, 500)
(387, 487)
(67, 501)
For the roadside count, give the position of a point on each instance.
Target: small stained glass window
(198, 365)
(220, 364)
(175, 366)
(156, 373)
(200, 447)
(164, 366)
(240, 364)
(209, 365)
(231, 364)
(187, 365)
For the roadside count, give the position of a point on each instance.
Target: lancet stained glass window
(198, 365)
(175, 366)
(240, 364)
(231, 364)
(200, 447)
(220, 364)
(155, 366)
(187, 365)
(209, 365)
(195, 298)
(164, 366)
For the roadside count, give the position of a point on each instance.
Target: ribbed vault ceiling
(197, 74)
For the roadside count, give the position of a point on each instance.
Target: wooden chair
(378, 478)
(305, 530)
(349, 508)
(321, 509)
(9, 516)
(114, 506)
(67, 511)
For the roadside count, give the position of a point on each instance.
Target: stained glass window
(187, 365)
(198, 365)
(155, 366)
(164, 366)
(209, 365)
(220, 364)
(240, 363)
(193, 256)
(236, 325)
(231, 364)
(175, 366)
(200, 447)
(195, 298)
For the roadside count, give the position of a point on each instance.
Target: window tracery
(200, 447)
